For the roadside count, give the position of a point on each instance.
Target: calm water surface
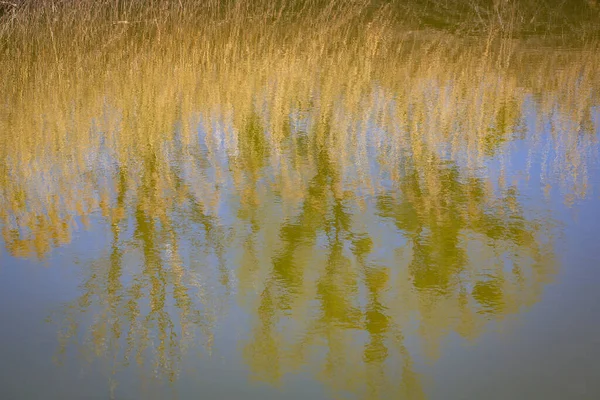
(348, 231)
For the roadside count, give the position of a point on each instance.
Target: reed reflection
(335, 200)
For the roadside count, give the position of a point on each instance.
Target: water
(421, 230)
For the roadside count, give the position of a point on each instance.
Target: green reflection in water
(333, 201)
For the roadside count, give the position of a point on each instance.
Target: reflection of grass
(440, 212)
(207, 133)
(464, 100)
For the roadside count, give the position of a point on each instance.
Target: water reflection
(335, 204)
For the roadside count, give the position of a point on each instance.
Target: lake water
(426, 229)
